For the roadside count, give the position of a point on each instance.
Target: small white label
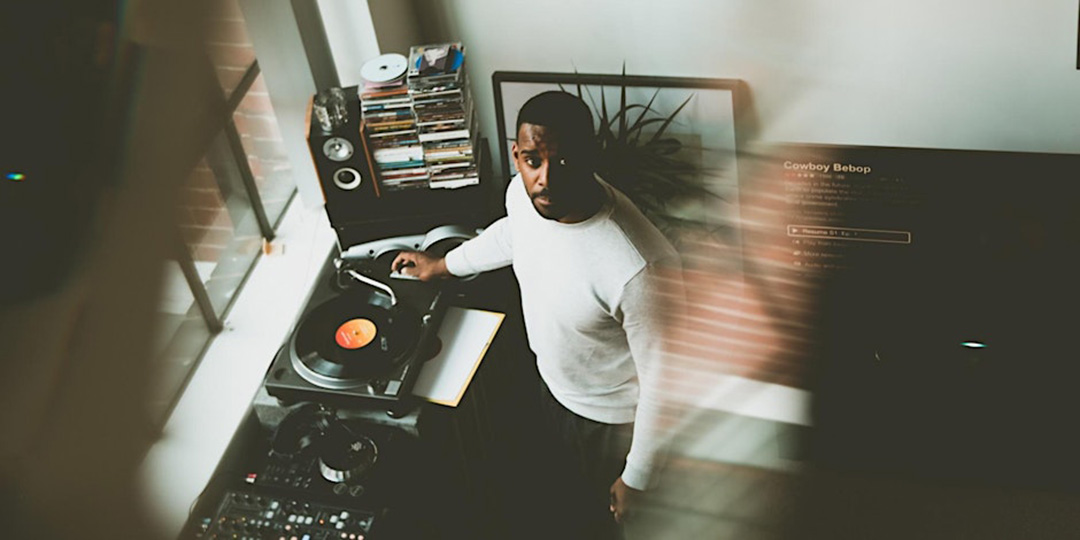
(393, 387)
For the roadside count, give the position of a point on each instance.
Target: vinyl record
(357, 335)
(385, 68)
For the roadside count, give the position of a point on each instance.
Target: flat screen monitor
(945, 288)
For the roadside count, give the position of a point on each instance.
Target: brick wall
(749, 313)
(204, 222)
(757, 322)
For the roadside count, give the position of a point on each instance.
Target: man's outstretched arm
(648, 305)
(490, 250)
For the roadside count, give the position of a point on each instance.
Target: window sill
(181, 461)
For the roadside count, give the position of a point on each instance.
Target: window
(227, 209)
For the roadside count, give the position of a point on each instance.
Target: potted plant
(653, 167)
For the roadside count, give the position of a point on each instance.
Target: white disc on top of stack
(385, 68)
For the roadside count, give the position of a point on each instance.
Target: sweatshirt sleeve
(490, 250)
(647, 304)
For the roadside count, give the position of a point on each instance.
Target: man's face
(556, 176)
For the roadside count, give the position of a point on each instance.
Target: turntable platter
(353, 345)
(353, 337)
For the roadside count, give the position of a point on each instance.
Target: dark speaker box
(343, 163)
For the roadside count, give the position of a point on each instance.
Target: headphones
(452, 235)
(301, 428)
(344, 454)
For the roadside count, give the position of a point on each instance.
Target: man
(587, 262)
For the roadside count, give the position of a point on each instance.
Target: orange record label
(355, 333)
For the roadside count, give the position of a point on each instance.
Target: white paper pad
(465, 335)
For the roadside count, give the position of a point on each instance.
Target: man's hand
(622, 500)
(420, 265)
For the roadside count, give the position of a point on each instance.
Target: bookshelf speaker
(343, 163)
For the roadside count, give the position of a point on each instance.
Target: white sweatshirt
(590, 305)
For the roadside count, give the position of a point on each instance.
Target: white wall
(972, 74)
(284, 66)
(359, 30)
(350, 32)
(396, 25)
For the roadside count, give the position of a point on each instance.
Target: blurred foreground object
(105, 112)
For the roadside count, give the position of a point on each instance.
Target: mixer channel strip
(251, 516)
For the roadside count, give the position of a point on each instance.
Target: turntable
(363, 336)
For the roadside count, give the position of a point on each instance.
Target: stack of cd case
(390, 124)
(445, 120)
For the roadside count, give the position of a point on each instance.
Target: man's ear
(514, 150)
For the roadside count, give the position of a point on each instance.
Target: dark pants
(585, 459)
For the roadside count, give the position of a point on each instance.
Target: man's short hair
(561, 112)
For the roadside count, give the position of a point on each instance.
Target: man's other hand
(622, 500)
(420, 265)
